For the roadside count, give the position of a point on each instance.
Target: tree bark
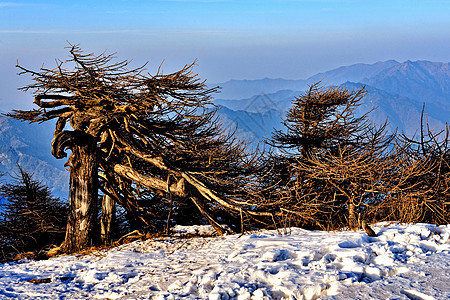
(352, 216)
(177, 189)
(107, 219)
(204, 211)
(83, 194)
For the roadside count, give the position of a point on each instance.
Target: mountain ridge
(417, 80)
(353, 73)
(438, 72)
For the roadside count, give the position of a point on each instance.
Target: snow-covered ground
(402, 262)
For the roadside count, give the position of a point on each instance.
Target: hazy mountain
(244, 89)
(241, 89)
(401, 112)
(420, 80)
(29, 146)
(250, 127)
(353, 73)
(281, 101)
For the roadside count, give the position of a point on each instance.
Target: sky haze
(290, 39)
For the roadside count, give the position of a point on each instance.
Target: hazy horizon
(291, 39)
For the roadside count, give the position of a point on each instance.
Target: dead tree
(131, 131)
(321, 120)
(423, 193)
(356, 178)
(340, 170)
(30, 218)
(336, 160)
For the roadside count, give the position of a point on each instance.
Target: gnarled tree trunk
(83, 193)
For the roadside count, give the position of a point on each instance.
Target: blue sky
(239, 39)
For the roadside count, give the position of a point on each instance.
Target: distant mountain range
(397, 91)
(255, 107)
(421, 80)
(29, 145)
(417, 80)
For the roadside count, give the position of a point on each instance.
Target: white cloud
(64, 32)
(9, 4)
(126, 31)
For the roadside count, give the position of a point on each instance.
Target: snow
(405, 261)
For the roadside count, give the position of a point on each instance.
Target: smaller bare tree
(338, 163)
(421, 190)
(30, 218)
